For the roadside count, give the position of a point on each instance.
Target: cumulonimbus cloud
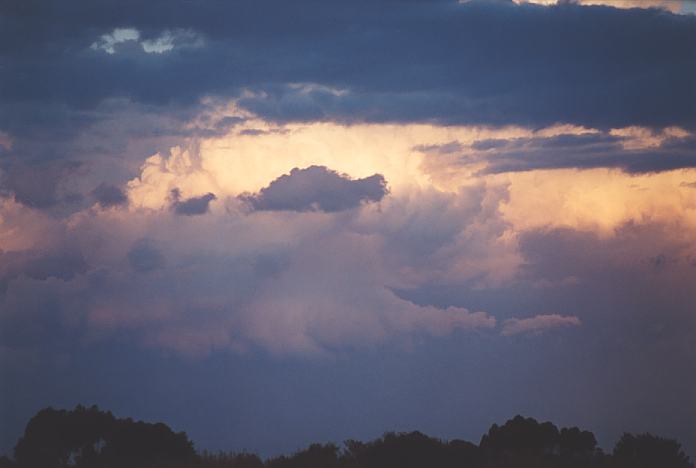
(312, 284)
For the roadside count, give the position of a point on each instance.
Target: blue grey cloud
(145, 256)
(317, 188)
(41, 185)
(585, 151)
(191, 206)
(62, 264)
(109, 195)
(476, 62)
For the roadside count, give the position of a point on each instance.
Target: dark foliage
(88, 437)
(230, 460)
(408, 450)
(647, 451)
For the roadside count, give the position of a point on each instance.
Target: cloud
(472, 232)
(191, 206)
(670, 5)
(109, 196)
(317, 188)
(447, 148)
(521, 72)
(145, 256)
(434, 271)
(107, 109)
(332, 295)
(300, 282)
(168, 40)
(43, 185)
(165, 42)
(587, 151)
(5, 141)
(538, 324)
(288, 283)
(108, 42)
(63, 263)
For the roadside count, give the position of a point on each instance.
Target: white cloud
(159, 45)
(168, 40)
(675, 6)
(107, 42)
(163, 43)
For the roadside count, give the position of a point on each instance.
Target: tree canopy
(88, 437)
(91, 438)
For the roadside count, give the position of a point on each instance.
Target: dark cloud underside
(471, 63)
(109, 195)
(317, 188)
(191, 206)
(586, 152)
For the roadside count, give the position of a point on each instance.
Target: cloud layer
(375, 80)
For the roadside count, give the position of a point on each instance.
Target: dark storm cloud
(584, 151)
(191, 206)
(477, 62)
(109, 195)
(317, 188)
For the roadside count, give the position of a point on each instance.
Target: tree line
(91, 438)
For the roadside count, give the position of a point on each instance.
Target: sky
(282, 222)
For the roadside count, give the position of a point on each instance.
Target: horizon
(585, 441)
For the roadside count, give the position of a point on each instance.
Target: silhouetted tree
(58, 438)
(316, 455)
(87, 437)
(408, 450)
(573, 442)
(90, 438)
(521, 442)
(578, 448)
(230, 460)
(649, 451)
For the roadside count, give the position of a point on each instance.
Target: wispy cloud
(165, 42)
(538, 324)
